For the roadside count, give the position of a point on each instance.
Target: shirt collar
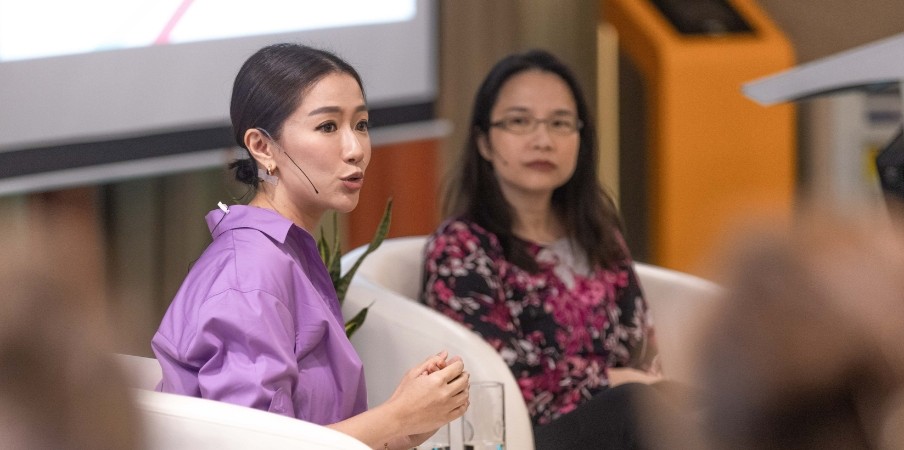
(266, 221)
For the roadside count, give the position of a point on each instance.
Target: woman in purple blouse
(257, 321)
(532, 257)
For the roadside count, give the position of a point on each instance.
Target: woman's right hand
(431, 394)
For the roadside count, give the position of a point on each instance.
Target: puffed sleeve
(462, 281)
(246, 343)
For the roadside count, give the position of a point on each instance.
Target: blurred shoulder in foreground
(60, 387)
(804, 349)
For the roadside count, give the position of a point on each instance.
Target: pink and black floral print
(559, 329)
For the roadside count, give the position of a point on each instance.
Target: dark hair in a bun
(245, 170)
(269, 87)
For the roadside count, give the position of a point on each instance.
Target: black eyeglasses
(525, 123)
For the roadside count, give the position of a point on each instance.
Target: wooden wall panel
(407, 173)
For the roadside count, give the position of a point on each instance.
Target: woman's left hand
(417, 439)
(622, 375)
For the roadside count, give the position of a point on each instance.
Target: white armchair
(678, 302)
(399, 331)
(142, 372)
(174, 422)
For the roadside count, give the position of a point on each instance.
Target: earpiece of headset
(270, 137)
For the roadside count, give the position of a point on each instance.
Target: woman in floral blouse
(532, 257)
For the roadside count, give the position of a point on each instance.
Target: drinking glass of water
(483, 425)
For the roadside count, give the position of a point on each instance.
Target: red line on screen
(164, 36)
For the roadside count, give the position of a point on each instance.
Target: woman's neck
(268, 200)
(535, 221)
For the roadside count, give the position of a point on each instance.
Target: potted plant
(332, 256)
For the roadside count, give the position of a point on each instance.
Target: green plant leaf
(323, 248)
(331, 256)
(342, 285)
(333, 263)
(354, 323)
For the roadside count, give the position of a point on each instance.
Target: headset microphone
(267, 133)
(302, 172)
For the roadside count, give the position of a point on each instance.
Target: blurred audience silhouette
(804, 350)
(60, 386)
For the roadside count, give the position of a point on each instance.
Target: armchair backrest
(180, 422)
(397, 265)
(141, 372)
(399, 333)
(678, 302)
(173, 422)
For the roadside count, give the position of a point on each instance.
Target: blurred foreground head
(59, 387)
(805, 349)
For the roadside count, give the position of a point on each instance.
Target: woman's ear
(259, 147)
(483, 146)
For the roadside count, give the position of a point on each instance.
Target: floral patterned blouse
(559, 329)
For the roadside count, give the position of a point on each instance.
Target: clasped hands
(432, 394)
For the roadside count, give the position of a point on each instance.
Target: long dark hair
(588, 214)
(270, 86)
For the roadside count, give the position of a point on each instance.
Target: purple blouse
(257, 323)
(559, 330)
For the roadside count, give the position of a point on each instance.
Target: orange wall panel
(406, 172)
